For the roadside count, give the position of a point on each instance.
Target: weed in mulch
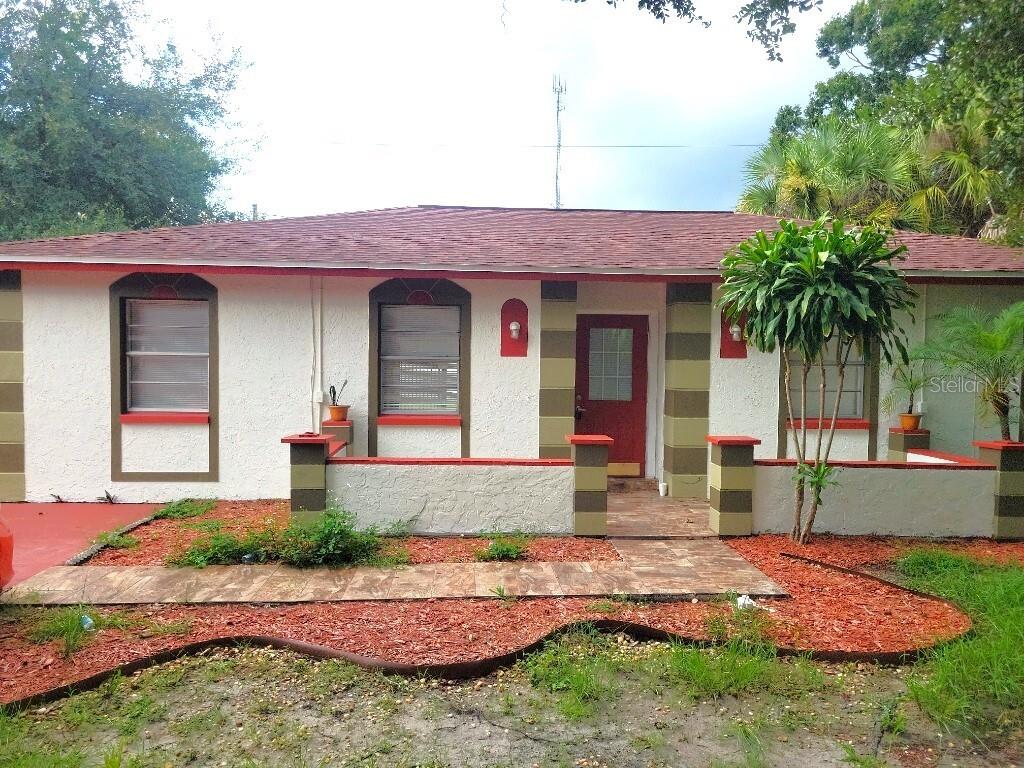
(185, 508)
(73, 626)
(115, 540)
(504, 549)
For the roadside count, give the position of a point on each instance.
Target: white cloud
(456, 88)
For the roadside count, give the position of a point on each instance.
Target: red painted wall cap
(732, 440)
(306, 438)
(589, 439)
(1000, 445)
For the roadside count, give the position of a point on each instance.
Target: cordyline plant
(988, 348)
(813, 291)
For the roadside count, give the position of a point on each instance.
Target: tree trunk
(841, 359)
(798, 447)
(1001, 405)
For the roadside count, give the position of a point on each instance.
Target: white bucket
(663, 489)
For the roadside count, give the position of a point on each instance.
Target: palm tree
(859, 172)
(986, 347)
(866, 172)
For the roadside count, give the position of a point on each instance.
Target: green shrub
(503, 548)
(116, 540)
(256, 546)
(331, 539)
(183, 508)
(974, 684)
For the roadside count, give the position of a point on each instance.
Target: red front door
(611, 386)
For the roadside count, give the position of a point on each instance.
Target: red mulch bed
(841, 611)
(863, 551)
(453, 549)
(830, 611)
(160, 538)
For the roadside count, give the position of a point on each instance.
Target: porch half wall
(439, 498)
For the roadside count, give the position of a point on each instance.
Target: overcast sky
(358, 104)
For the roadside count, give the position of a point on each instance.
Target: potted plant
(908, 379)
(338, 412)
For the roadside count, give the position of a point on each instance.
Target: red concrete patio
(48, 534)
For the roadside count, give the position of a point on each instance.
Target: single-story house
(170, 362)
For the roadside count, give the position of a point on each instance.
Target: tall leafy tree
(816, 293)
(768, 21)
(94, 133)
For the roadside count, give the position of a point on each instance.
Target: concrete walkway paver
(649, 568)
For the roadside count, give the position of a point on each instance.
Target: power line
(478, 145)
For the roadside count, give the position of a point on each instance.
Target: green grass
(974, 685)
(332, 539)
(185, 508)
(577, 668)
(503, 548)
(65, 625)
(115, 540)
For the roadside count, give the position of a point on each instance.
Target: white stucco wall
(744, 393)
(269, 386)
(899, 502)
(165, 447)
(595, 297)
(504, 391)
(457, 498)
(413, 441)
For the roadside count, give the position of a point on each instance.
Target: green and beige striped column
(12, 418)
(308, 474)
(557, 367)
(590, 481)
(687, 381)
(903, 440)
(1008, 507)
(732, 484)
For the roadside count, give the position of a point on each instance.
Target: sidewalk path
(667, 568)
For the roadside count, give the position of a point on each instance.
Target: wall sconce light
(515, 328)
(736, 331)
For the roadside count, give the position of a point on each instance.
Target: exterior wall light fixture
(513, 329)
(736, 331)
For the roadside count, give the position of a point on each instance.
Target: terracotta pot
(338, 412)
(910, 420)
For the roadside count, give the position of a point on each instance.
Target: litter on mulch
(158, 539)
(830, 611)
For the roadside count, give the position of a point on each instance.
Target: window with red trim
(851, 403)
(419, 359)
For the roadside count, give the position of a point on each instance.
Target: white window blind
(851, 403)
(168, 355)
(419, 359)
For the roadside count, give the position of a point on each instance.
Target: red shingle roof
(490, 239)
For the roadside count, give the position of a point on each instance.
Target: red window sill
(840, 423)
(165, 417)
(414, 420)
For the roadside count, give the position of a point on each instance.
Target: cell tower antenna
(558, 88)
